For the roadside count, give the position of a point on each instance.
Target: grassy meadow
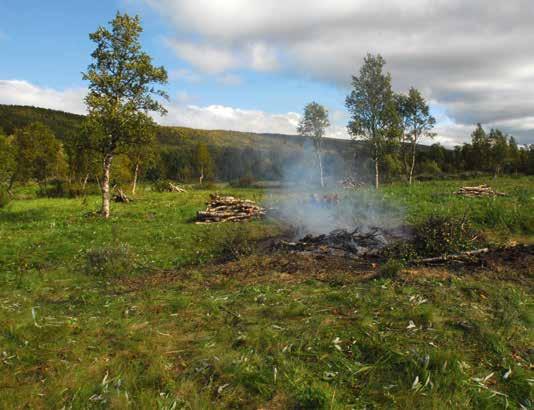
(150, 311)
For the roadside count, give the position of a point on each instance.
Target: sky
(252, 65)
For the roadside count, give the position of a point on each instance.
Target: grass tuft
(111, 261)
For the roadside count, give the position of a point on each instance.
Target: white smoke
(300, 202)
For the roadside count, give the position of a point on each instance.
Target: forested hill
(62, 123)
(18, 116)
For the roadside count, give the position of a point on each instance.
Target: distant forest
(182, 154)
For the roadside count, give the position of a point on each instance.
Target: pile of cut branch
(350, 183)
(121, 197)
(478, 191)
(171, 187)
(229, 209)
(324, 200)
(175, 188)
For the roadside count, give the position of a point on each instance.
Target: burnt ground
(272, 265)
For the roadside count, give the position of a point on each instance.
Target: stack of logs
(478, 191)
(228, 209)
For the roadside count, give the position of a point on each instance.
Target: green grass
(166, 328)
(504, 215)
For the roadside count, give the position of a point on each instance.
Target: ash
(357, 243)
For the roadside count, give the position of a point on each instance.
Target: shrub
(402, 251)
(60, 188)
(209, 186)
(440, 235)
(310, 398)
(391, 268)
(4, 198)
(232, 242)
(244, 182)
(430, 167)
(57, 188)
(110, 261)
(161, 185)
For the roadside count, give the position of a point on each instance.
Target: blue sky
(49, 47)
(252, 65)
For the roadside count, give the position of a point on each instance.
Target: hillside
(62, 123)
(18, 116)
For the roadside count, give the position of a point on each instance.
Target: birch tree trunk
(405, 163)
(412, 166)
(377, 173)
(106, 195)
(136, 173)
(84, 183)
(321, 174)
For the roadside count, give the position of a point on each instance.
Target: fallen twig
(446, 258)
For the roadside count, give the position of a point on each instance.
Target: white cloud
(207, 58)
(184, 74)
(473, 57)
(230, 80)
(261, 57)
(218, 59)
(183, 97)
(19, 92)
(221, 117)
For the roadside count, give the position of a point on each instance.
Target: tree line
(391, 125)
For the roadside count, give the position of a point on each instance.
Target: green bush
(440, 235)
(162, 185)
(208, 185)
(110, 261)
(391, 268)
(232, 242)
(60, 188)
(310, 398)
(244, 182)
(430, 168)
(4, 198)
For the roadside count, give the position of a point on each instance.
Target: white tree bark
(321, 172)
(412, 166)
(201, 177)
(136, 173)
(106, 194)
(377, 173)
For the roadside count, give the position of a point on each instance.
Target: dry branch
(447, 258)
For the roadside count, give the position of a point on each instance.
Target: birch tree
(314, 124)
(416, 122)
(374, 117)
(122, 81)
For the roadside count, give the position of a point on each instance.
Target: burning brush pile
(435, 240)
(229, 209)
(355, 243)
